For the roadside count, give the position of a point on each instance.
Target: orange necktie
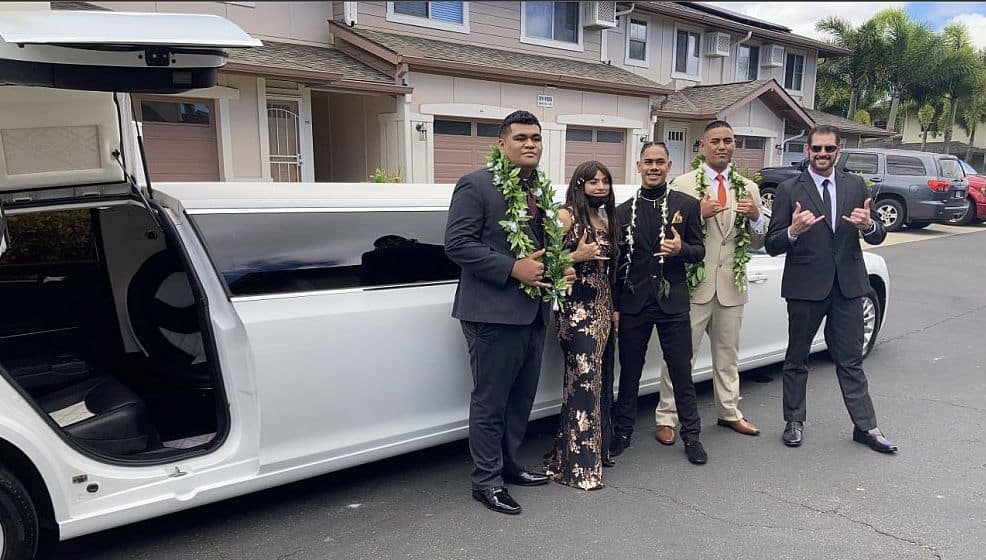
(722, 190)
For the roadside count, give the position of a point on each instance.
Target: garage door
(603, 145)
(461, 147)
(179, 138)
(749, 152)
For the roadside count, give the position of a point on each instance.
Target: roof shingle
(846, 125)
(307, 57)
(511, 61)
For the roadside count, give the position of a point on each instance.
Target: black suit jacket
(820, 256)
(475, 241)
(645, 267)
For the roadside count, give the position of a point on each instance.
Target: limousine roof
(247, 196)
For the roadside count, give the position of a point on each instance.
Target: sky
(801, 16)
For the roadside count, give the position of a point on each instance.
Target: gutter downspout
(722, 68)
(603, 40)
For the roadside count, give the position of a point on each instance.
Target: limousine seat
(103, 414)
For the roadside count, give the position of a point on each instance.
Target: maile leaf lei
(506, 177)
(737, 184)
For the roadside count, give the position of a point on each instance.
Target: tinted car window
(63, 236)
(903, 165)
(950, 169)
(294, 252)
(861, 163)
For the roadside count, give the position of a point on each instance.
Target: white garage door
(749, 152)
(461, 147)
(603, 145)
(179, 138)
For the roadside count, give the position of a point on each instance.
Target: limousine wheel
(18, 520)
(871, 321)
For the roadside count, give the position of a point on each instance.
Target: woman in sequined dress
(584, 327)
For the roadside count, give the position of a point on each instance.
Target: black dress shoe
(525, 478)
(794, 433)
(875, 439)
(620, 443)
(497, 499)
(696, 453)
(608, 461)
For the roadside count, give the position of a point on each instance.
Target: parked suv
(909, 187)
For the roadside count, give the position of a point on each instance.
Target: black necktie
(827, 203)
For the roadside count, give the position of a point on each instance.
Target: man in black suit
(651, 290)
(503, 326)
(817, 220)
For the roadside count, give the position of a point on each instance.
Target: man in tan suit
(717, 298)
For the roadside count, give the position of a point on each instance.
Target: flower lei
(737, 184)
(664, 288)
(506, 177)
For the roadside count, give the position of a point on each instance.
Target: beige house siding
(292, 21)
(244, 127)
(491, 24)
(714, 70)
(912, 133)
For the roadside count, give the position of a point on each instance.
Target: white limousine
(168, 346)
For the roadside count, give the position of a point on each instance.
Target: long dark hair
(577, 203)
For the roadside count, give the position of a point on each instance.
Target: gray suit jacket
(820, 256)
(475, 241)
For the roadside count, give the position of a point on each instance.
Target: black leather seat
(103, 414)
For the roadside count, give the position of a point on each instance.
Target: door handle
(757, 278)
(876, 179)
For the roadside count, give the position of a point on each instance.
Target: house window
(553, 24)
(794, 72)
(747, 63)
(687, 52)
(637, 42)
(449, 16)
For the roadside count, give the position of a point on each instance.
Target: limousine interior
(102, 330)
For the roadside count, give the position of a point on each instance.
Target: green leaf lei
(506, 177)
(664, 287)
(737, 183)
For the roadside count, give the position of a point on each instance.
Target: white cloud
(976, 23)
(801, 17)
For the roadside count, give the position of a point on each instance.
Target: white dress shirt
(758, 225)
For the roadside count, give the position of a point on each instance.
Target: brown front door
(179, 138)
(603, 145)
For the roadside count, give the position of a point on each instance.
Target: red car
(977, 197)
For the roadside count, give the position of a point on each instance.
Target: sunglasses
(829, 149)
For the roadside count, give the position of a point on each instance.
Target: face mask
(596, 201)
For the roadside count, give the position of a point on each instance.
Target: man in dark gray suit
(817, 220)
(503, 326)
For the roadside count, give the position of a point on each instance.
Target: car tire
(767, 196)
(18, 520)
(891, 213)
(918, 225)
(968, 218)
(872, 318)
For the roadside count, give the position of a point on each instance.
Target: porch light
(422, 131)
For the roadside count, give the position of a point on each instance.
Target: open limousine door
(78, 129)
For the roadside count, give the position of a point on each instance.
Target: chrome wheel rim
(869, 321)
(887, 214)
(767, 199)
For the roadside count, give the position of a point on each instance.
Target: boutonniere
(677, 219)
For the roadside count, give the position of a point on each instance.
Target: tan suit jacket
(720, 243)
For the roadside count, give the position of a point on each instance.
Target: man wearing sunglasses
(818, 218)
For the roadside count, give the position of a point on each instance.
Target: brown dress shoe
(741, 426)
(665, 435)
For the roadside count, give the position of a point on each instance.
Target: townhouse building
(415, 89)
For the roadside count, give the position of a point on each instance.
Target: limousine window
(284, 252)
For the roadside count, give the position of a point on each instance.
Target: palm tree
(864, 66)
(906, 45)
(955, 70)
(973, 109)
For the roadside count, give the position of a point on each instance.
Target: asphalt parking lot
(756, 499)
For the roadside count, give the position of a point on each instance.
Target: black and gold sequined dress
(583, 330)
